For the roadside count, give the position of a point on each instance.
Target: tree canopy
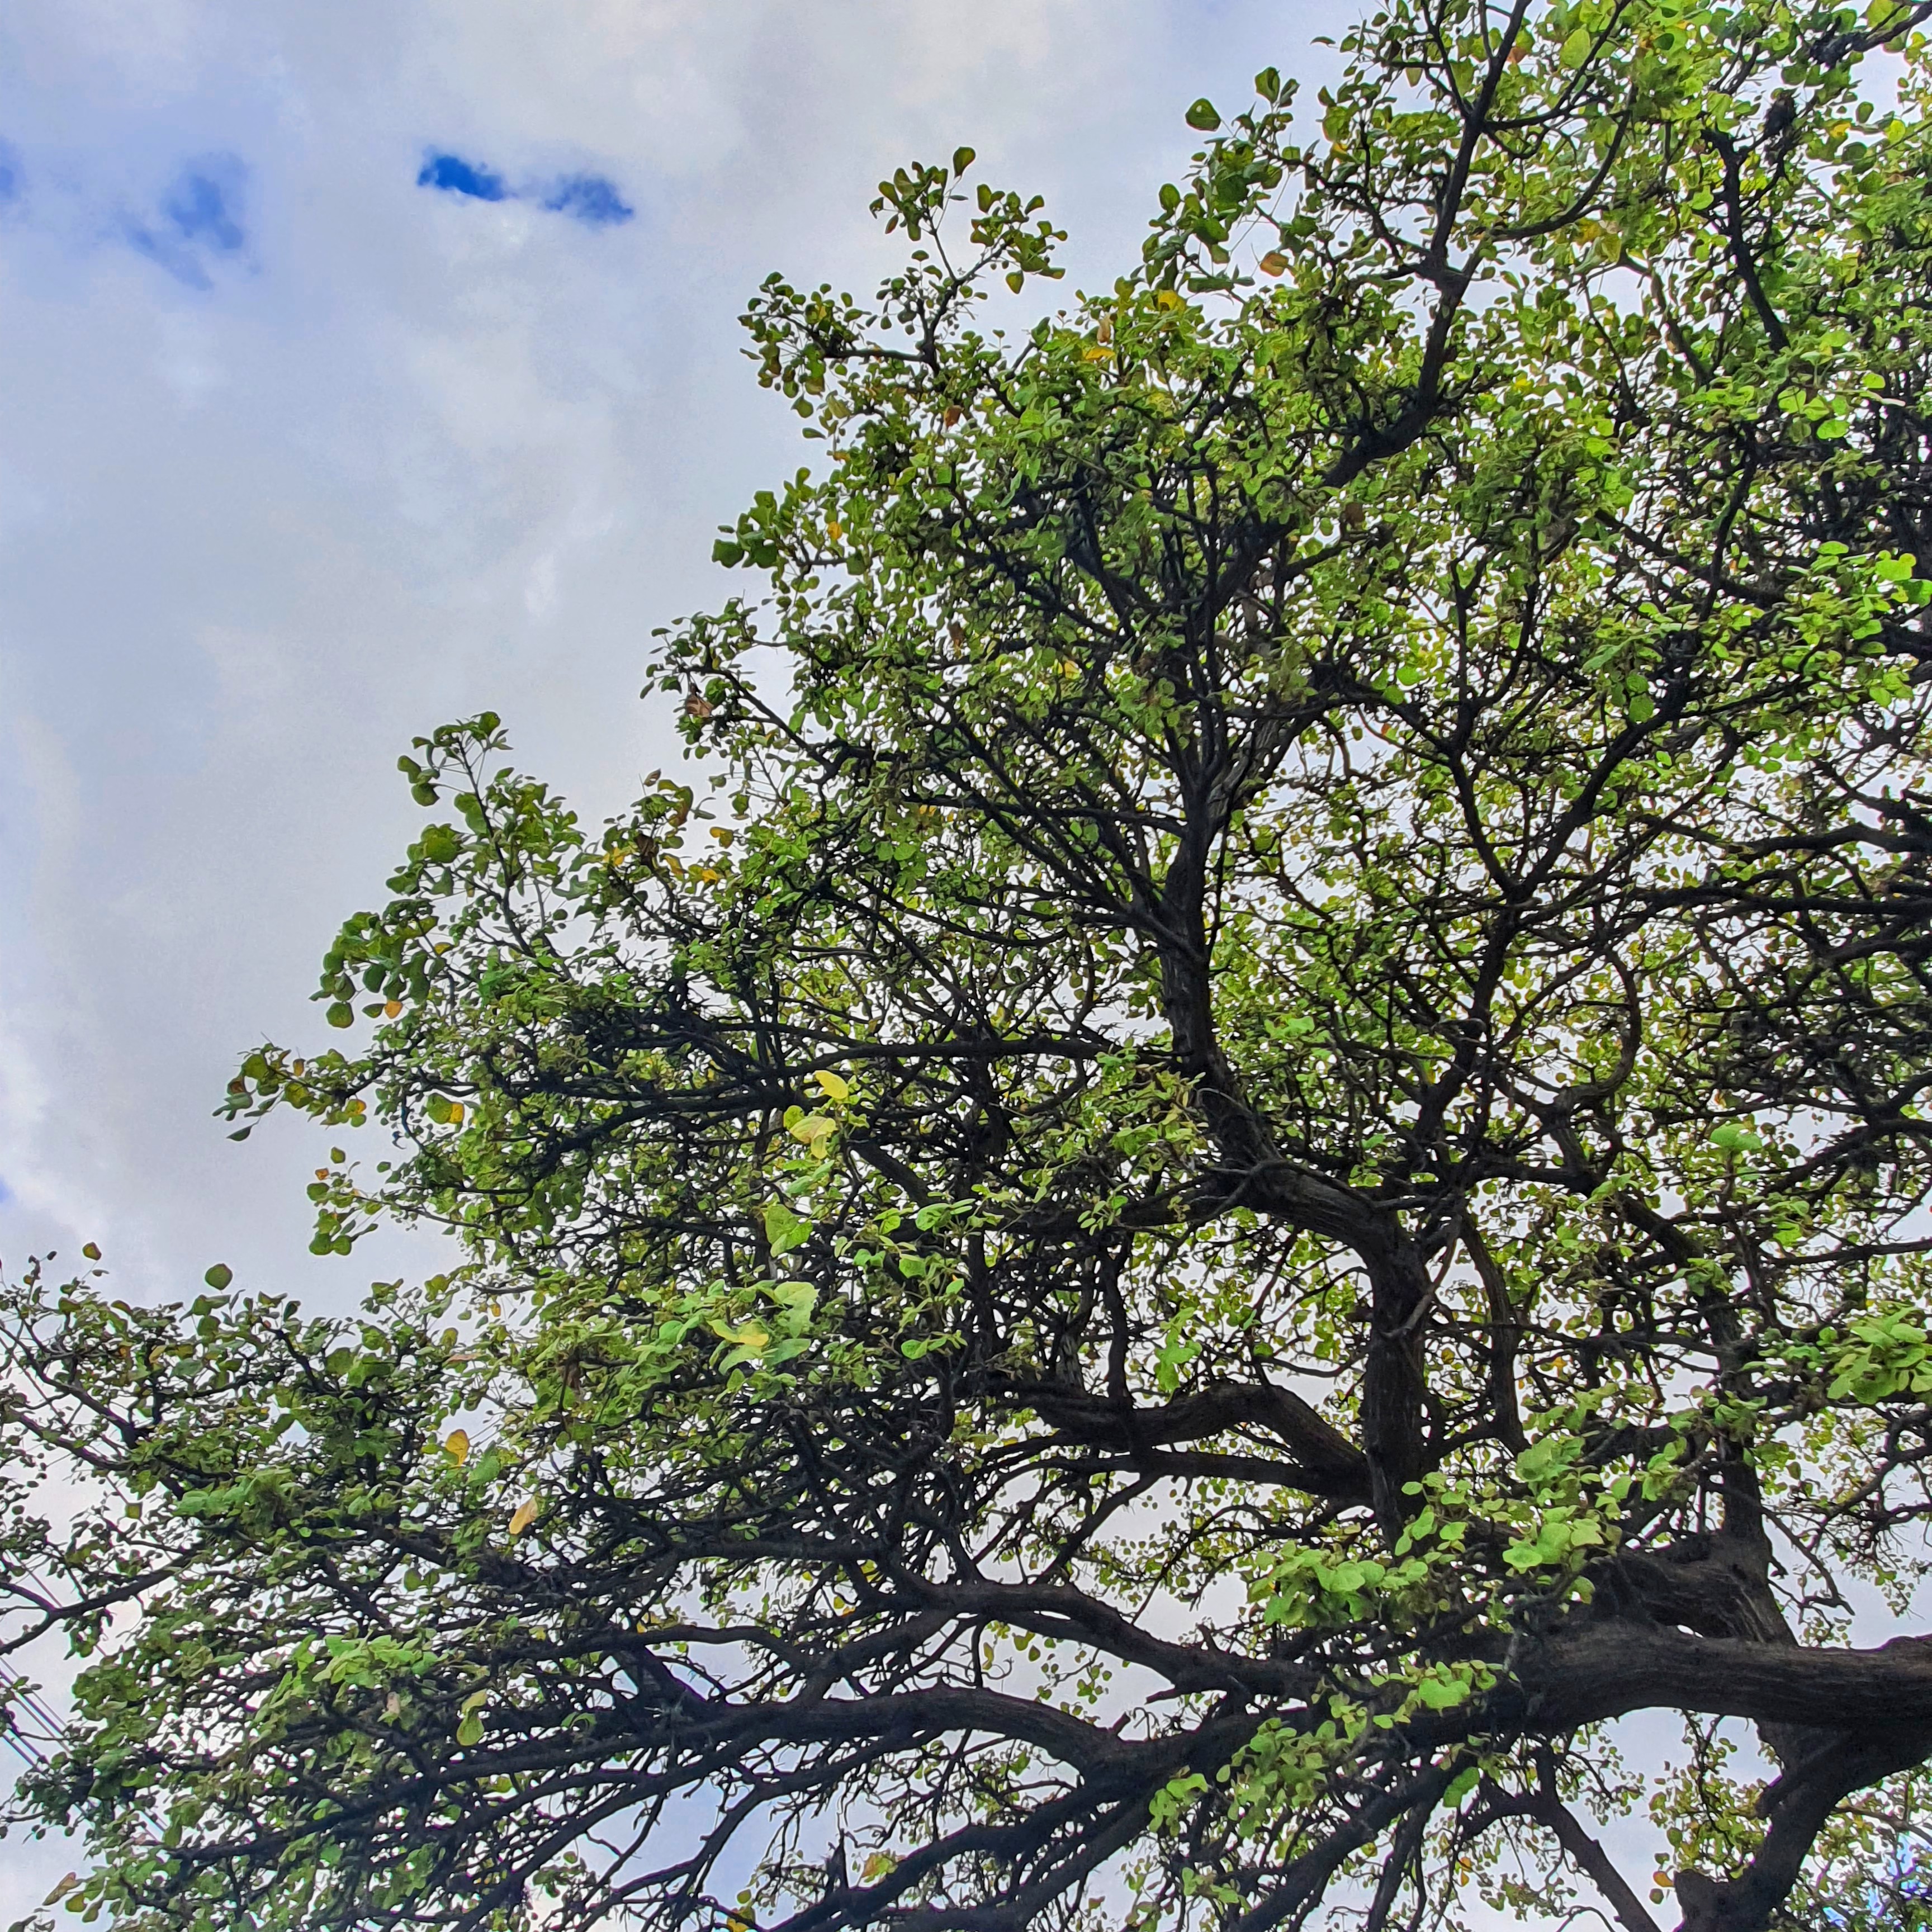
(1249, 1148)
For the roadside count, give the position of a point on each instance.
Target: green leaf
(1577, 46)
(1442, 1693)
(1202, 116)
(784, 1228)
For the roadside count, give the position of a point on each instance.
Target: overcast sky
(367, 365)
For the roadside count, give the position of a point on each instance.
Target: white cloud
(407, 454)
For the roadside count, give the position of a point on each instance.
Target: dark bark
(1326, 1463)
(1610, 1669)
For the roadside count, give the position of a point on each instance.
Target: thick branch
(1600, 1671)
(1332, 1465)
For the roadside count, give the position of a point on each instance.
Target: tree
(1262, 1156)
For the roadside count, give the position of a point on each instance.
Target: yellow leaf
(1097, 355)
(833, 529)
(1272, 263)
(877, 1865)
(456, 1113)
(60, 1891)
(91, 1250)
(832, 1086)
(813, 1128)
(525, 1515)
(749, 1336)
(456, 1446)
(392, 1009)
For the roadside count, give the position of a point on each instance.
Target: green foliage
(1250, 1147)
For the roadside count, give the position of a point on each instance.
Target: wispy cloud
(199, 219)
(593, 200)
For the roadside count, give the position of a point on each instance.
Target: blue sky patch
(593, 200)
(201, 209)
(455, 175)
(200, 216)
(589, 198)
(11, 177)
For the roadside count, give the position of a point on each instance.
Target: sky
(369, 363)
